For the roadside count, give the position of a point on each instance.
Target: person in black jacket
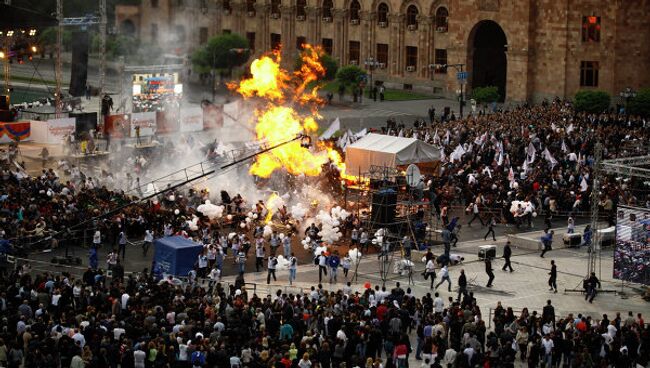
(489, 271)
(548, 312)
(591, 284)
(462, 285)
(552, 280)
(507, 253)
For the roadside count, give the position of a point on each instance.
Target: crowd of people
(541, 154)
(56, 320)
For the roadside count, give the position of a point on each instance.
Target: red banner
(118, 126)
(11, 132)
(167, 121)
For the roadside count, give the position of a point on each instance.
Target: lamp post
(627, 94)
(462, 79)
(371, 63)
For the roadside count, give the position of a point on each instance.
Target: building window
(591, 29)
(276, 41)
(327, 8)
(411, 57)
(355, 49)
(442, 18)
(301, 8)
(154, 3)
(301, 42)
(328, 45)
(226, 6)
(588, 74)
(441, 59)
(355, 8)
(226, 31)
(382, 53)
(250, 7)
(412, 16)
(382, 13)
(203, 35)
(275, 7)
(180, 33)
(250, 36)
(154, 32)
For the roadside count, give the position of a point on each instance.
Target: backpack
(316, 260)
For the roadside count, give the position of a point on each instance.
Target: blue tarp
(176, 255)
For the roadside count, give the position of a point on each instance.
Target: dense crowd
(540, 154)
(58, 321)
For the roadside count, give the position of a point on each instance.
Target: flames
(278, 121)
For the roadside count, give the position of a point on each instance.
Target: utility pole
(102, 55)
(58, 68)
(594, 253)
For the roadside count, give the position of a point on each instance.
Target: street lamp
(371, 63)
(627, 94)
(462, 79)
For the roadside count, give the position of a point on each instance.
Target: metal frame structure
(406, 205)
(79, 22)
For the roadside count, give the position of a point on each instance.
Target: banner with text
(146, 121)
(191, 119)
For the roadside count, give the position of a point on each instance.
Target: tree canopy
(221, 52)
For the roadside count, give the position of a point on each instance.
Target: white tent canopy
(385, 150)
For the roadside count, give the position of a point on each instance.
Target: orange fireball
(279, 122)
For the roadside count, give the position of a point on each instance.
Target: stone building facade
(530, 49)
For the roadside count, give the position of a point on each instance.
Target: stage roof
(13, 17)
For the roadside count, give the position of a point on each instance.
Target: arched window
(301, 8)
(275, 7)
(442, 15)
(412, 15)
(226, 6)
(382, 13)
(327, 9)
(355, 7)
(250, 7)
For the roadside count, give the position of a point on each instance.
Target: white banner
(146, 121)
(191, 119)
(59, 129)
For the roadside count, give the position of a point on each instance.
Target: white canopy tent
(385, 150)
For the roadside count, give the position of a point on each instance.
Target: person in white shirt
(293, 268)
(430, 272)
(547, 344)
(125, 300)
(444, 276)
(79, 338)
(438, 304)
(469, 354)
(148, 240)
(138, 358)
(97, 239)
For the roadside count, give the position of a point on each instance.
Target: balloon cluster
(330, 223)
(210, 210)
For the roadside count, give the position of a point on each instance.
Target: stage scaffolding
(414, 216)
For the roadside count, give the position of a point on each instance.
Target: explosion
(278, 121)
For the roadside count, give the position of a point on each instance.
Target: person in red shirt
(581, 325)
(381, 311)
(640, 318)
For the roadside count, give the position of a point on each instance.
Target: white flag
(547, 155)
(333, 128)
(570, 128)
(500, 159)
(564, 147)
(488, 171)
(362, 133)
(511, 174)
(583, 185)
(525, 166)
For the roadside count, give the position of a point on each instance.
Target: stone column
(238, 14)
(262, 34)
(288, 34)
(424, 45)
(341, 35)
(517, 74)
(366, 36)
(314, 20)
(397, 52)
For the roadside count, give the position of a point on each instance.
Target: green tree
(350, 75)
(223, 52)
(486, 94)
(640, 105)
(47, 38)
(592, 101)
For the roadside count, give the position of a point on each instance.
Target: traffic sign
(461, 76)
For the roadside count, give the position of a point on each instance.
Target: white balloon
(176, 212)
(242, 225)
(306, 246)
